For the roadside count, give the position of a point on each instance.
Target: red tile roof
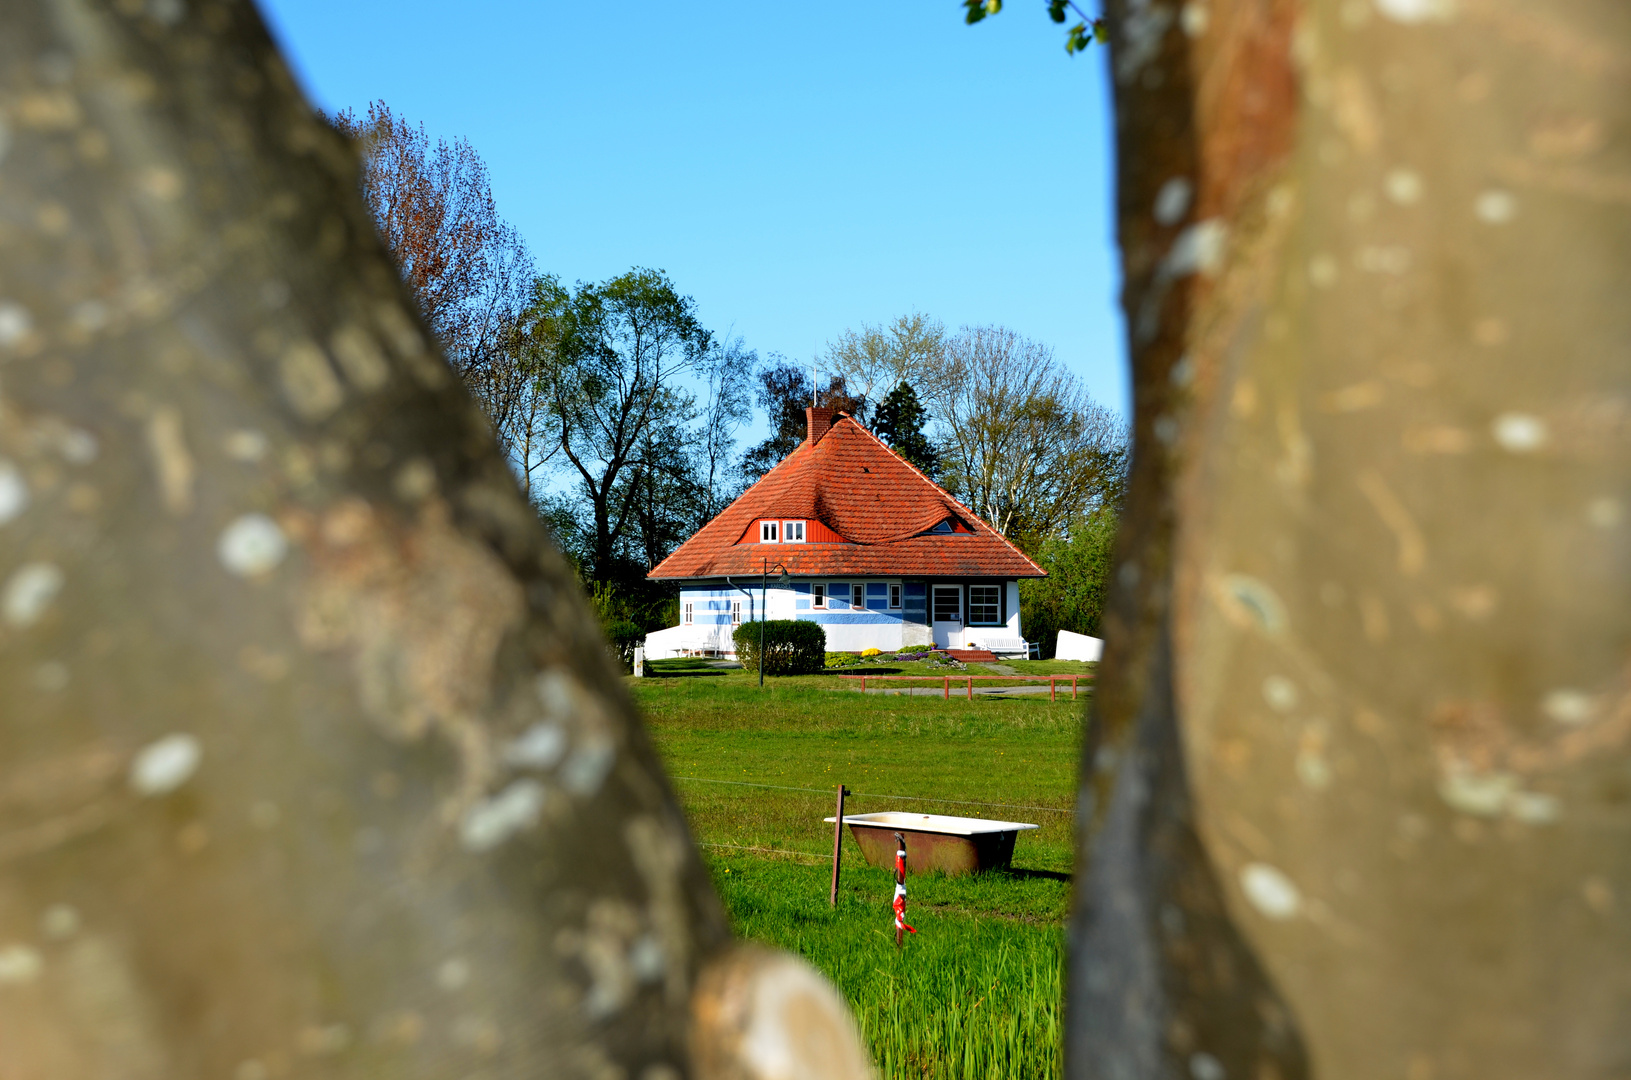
(867, 494)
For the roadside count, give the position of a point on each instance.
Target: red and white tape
(900, 891)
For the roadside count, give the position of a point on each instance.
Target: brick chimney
(817, 423)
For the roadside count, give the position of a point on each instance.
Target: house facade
(843, 532)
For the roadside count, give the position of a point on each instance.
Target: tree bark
(315, 763)
(1356, 780)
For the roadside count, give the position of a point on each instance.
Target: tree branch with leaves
(1088, 29)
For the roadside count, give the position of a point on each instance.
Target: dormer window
(768, 531)
(943, 528)
(792, 532)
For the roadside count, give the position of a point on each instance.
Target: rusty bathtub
(955, 845)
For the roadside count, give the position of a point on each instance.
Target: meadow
(976, 993)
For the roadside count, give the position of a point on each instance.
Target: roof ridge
(955, 500)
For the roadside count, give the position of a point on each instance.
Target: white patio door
(946, 611)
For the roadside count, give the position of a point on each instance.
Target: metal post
(971, 688)
(1053, 688)
(764, 588)
(1073, 688)
(837, 844)
(945, 687)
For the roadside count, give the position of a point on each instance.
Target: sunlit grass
(976, 992)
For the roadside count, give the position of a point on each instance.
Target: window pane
(948, 604)
(894, 596)
(818, 595)
(857, 596)
(984, 604)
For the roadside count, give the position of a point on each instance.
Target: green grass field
(977, 991)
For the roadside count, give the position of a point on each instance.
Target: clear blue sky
(797, 168)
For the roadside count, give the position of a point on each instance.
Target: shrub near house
(791, 647)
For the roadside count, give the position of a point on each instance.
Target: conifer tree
(899, 421)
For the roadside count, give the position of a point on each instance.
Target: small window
(736, 613)
(985, 604)
(943, 527)
(894, 595)
(687, 619)
(767, 532)
(818, 596)
(792, 532)
(857, 596)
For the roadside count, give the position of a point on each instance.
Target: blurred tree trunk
(314, 762)
(1356, 790)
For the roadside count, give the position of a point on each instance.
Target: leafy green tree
(610, 360)
(1072, 596)
(898, 420)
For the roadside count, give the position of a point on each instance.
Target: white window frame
(687, 617)
(792, 532)
(895, 593)
(736, 613)
(857, 597)
(818, 595)
(995, 606)
(769, 531)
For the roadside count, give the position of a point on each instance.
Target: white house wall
(849, 629)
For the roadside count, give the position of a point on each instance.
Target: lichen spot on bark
(164, 765)
(252, 545)
(1270, 891)
(29, 593)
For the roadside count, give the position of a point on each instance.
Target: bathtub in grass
(954, 845)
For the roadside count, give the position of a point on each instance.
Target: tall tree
(784, 392)
(875, 359)
(1353, 793)
(727, 391)
(668, 498)
(1024, 444)
(611, 361)
(467, 268)
(899, 420)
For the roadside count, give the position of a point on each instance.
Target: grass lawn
(977, 991)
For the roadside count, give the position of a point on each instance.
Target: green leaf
(1056, 10)
(992, 7)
